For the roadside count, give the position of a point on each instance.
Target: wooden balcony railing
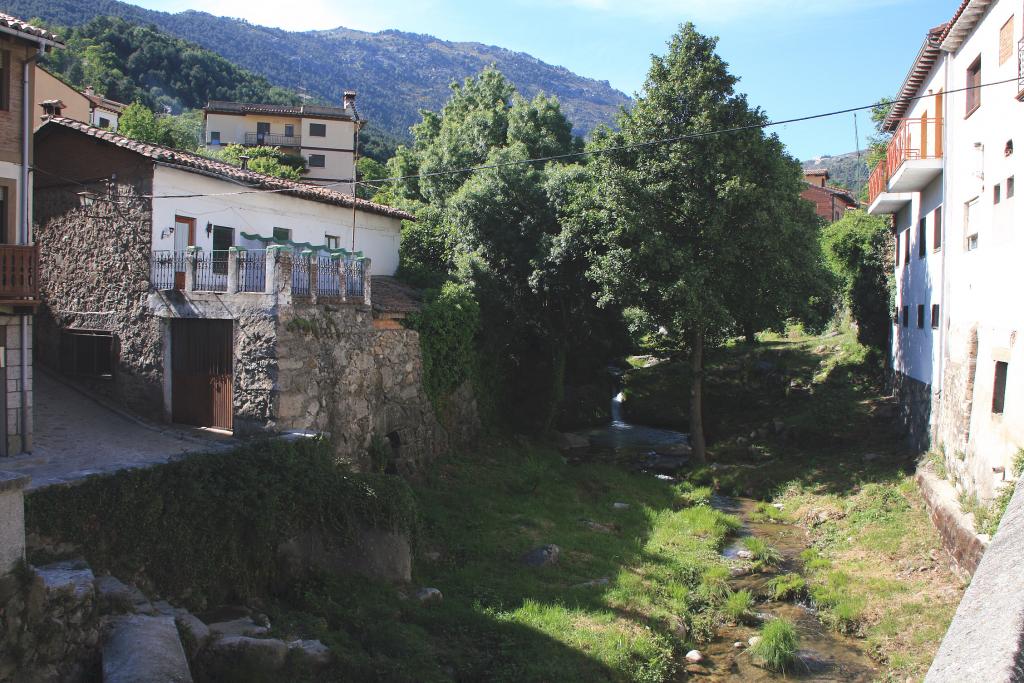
(877, 181)
(272, 140)
(19, 274)
(917, 138)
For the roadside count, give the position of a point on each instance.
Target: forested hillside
(849, 170)
(396, 73)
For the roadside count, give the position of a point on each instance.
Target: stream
(823, 655)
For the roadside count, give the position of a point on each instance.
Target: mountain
(849, 170)
(395, 73)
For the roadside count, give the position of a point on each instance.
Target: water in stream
(824, 655)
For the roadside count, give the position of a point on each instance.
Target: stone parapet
(12, 520)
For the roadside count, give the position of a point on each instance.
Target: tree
(690, 218)
(139, 123)
(262, 159)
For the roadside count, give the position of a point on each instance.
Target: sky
(793, 57)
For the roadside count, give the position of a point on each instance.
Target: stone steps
(144, 649)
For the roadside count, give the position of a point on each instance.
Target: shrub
(785, 587)
(447, 325)
(764, 555)
(738, 605)
(778, 645)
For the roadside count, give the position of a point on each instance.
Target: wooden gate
(201, 372)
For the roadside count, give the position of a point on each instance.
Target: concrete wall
(376, 236)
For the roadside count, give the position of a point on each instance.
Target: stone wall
(915, 403)
(95, 276)
(338, 374)
(10, 338)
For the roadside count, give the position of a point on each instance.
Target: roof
(26, 30)
(835, 191)
(101, 102)
(187, 161)
(305, 110)
(923, 63)
(816, 171)
(392, 296)
(963, 22)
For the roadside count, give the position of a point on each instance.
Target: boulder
(744, 554)
(753, 640)
(243, 626)
(310, 652)
(245, 654)
(544, 556)
(72, 578)
(116, 596)
(694, 657)
(144, 649)
(568, 441)
(194, 633)
(620, 506)
(665, 464)
(429, 595)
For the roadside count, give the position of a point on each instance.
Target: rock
(744, 554)
(869, 457)
(676, 450)
(697, 670)
(242, 653)
(193, 631)
(742, 441)
(620, 506)
(821, 348)
(116, 596)
(164, 608)
(429, 595)
(599, 527)
(543, 556)
(73, 578)
(665, 464)
(679, 628)
(664, 477)
(739, 645)
(694, 657)
(312, 652)
(753, 640)
(739, 571)
(567, 441)
(243, 626)
(142, 649)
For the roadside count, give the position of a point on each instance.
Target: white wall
(376, 236)
(97, 114)
(986, 285)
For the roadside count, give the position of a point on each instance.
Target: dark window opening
(88, 353)
(1009, 187)
(289, 130)
(317, 161)
(5, 80)
(104, 122)
(974, 86)
(920, 316)
(922, 242)
(996, 193)
(906, 316)
(318, 130)
(999, 387)
(906, 246)
(214, 137)
(5, 206)
(896, 316)
(223, 239)
(935, 316)
(283, 234)
(937, 229)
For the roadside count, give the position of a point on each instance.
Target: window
(89, 353)
(937, 229)
(906, 246)
(935, 316)
(999, 387)
(8, 209)
(1006, 41)
(332, 241)
(214, 137)
(898, 236)
(974, 86)
(223, 239)
(1009, 187)
(5, 80)
(906, 316)
(289, 130)
(318, 130)
(922, 242)
(282, 234)
(104, 122)
(920, 316)
(996, 193)
(317, 161)
(971, 224)
(896, 316)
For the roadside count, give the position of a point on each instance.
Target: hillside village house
(20, 45)
(85, 106)
(830, 203)
(206, 294)
(325, 137)
(948, 180)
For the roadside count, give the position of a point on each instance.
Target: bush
(447, 324)
(778, 645)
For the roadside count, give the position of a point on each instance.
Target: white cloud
(723, 11)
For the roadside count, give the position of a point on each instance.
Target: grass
(764, 556)
(738, 605)
(500, 620)
(766, 512)
(777, 647)
(785, 587)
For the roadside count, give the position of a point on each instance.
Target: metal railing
(878, 180)
(272, 140)
(328, 279)
(211, 271)
(300, 275)
(916, 138)
(19, 272)
(354, 277)
(252, 271)
(164, 265)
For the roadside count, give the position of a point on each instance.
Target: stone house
(256, 322)
(948, 183)
(830, 203)
(21, 44)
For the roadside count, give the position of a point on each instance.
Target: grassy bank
(805, 426)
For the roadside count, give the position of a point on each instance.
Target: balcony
(913, 159)
(19, 275)
(272, 140)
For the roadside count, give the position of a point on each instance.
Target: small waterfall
(616, 408)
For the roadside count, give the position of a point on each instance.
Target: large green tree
(705, 230)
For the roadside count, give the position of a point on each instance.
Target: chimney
(349, 100)
(51, 108)
(89, 90)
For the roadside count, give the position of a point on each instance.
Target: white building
(948, 181)
(325, 137)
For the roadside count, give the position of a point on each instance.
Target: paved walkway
(76, 437)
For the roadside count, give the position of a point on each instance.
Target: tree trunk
(748, 333)
(696, 396)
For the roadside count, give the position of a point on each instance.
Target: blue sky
(794, 57)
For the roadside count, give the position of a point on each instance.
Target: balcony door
(184, 237)
(262, 131)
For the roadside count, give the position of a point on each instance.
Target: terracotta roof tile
(188, 161)
(31, 32)
(104, 103)
(305, 110)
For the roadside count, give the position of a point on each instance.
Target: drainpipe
(25, 227)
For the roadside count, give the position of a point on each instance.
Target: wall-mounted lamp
(166, 232)
(209, 229)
